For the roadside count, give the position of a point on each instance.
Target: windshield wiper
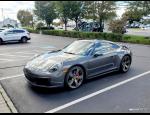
(69, 53)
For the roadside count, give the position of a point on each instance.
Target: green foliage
(25, 17)
(31, 30)
(136, 39)
(63, 11)
(142, 6)
(132, 15)
(39, 25)
(100, 10)
(84, 35)
(96, 35)
(117, 26)
(77, 10)
(45, 10)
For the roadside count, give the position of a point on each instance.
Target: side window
(100, 48)
(10, 32)
(18, 31)
(113, 46)
(104, 47)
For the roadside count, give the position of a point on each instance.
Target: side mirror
(97, 55)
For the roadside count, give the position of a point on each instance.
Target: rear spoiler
(124, 46)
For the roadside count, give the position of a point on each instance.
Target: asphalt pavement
(114, 92)
(139, 32)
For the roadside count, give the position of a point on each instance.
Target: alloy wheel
(75, 77)
(126, 62)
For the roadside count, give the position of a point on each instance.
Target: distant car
(146, 27)
(20, 35)
(45, 28)
(81, 60)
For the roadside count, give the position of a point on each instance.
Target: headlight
(56, 67)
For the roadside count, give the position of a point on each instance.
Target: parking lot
(139, 32)
(113, 92)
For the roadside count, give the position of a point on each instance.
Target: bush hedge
(31, 30)
(96, 35)
(84, 35)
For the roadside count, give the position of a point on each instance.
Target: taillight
(28, 33)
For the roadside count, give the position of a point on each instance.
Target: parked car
(20, 35)
(46, 28)
(2, 29)
(81, 60)
(146, 27)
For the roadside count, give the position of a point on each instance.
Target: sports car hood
(50, 59)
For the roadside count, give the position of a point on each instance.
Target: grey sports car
(81, 60)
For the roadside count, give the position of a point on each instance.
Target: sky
(10, 8)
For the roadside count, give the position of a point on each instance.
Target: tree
(132, 15)
(100, 10)
(25, 17)
(63, 10)
(39, 25)
(141, 6)
(77, 10)
(117, 26)
(45, 10)
(136, 10)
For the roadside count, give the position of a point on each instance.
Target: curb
(8, 101)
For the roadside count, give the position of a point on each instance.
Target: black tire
(125, 64)
(1, 41)
(24, 39)
(74, 79)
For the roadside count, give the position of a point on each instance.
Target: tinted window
(18, 31)
(114, 46)
(105, 47)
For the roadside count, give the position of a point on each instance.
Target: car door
(102, 63)
(17, 34)
(9, 35)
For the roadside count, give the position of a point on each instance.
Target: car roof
(97, 40)
(100, 41)
(8, 29)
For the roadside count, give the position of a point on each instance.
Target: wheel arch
(80, 65)
(1, 39)
(23, 37)
(129, 56)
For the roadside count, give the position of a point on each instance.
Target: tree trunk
(76, 21)
(65, 26)
(65, 21)
(101, 25)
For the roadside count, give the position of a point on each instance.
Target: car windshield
(79, 48)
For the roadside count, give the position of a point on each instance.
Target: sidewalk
(6, 106)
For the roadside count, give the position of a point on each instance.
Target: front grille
(36, 79)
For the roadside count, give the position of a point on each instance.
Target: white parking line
(25, 53)
(10, 77)
(14, 55)
(95, 93)
(6, 60)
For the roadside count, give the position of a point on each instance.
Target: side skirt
(98, 75)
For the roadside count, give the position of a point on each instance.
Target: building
(9, 22)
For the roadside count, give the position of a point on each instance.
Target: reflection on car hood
(49, 59)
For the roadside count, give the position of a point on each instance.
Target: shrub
(85, 35)
(126, 37)
(147, 38)
(31, 30)
(117, 26)
(96, 35)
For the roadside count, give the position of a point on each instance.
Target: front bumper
(47, 81)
